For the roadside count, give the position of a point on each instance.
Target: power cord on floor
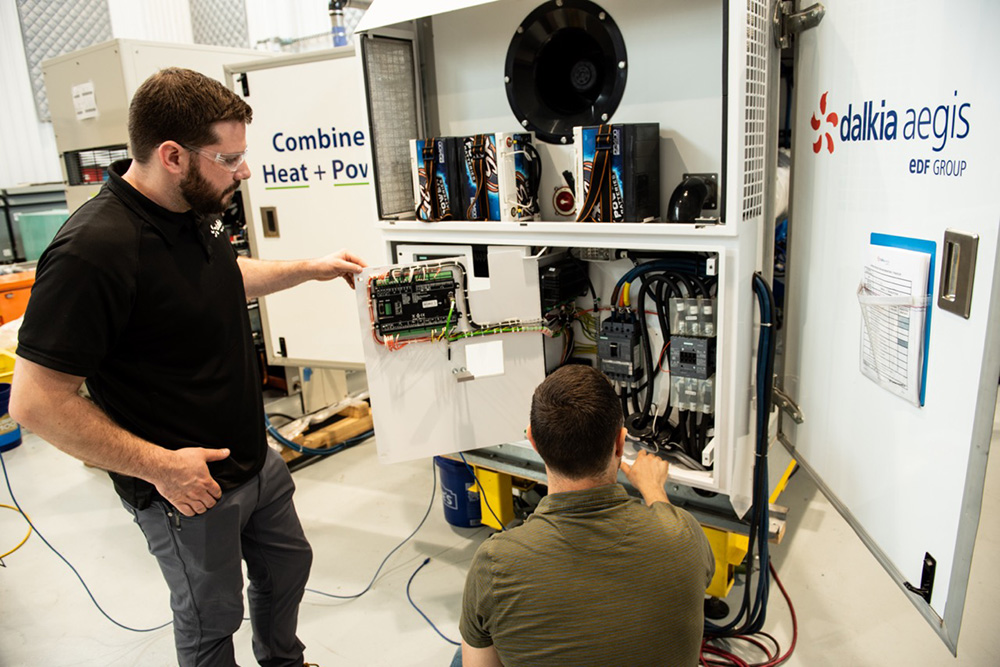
(414, 605)
(19, 544)
(70, 565)
(716, 656)
(394, 550)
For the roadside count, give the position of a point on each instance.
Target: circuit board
(414, 304)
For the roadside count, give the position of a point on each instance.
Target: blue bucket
(461, 506)
(10, 432)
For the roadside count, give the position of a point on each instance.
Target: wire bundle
(658, 281)
(447, 331)
(749, 619)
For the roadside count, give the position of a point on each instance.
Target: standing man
(142, 296)
(593, 577)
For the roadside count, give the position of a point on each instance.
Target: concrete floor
(355, 511)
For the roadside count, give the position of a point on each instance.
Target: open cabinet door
(896, 141)
(312, 193)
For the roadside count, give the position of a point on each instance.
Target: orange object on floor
(14, 291)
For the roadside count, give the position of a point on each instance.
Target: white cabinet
(700, 71)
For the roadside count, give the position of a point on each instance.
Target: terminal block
(619, 351)
(413, 303)
(692, 357)
(694, 394)
(693, 317)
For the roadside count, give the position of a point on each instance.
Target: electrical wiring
(774, 658)
(68, 564)
(21, 543)
(420, 525)
(414, 605)
(408, 274)
(749, 618)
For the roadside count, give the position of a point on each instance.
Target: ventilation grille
(219, 22)
(51, 28)
(390, 76)
(754, 125)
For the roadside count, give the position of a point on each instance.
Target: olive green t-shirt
(593, 577)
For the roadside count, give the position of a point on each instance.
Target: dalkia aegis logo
(874, 121)
(817, 123)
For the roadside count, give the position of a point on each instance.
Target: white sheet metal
(383, 13)
(312, 165)
(908, 478)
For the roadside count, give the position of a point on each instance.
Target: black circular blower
(566, 66)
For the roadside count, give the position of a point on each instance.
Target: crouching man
(594, 576)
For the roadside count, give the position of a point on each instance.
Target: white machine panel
(468, 393)
(896, 134)
(676, 81)
(311, 194)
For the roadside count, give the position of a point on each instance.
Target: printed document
(893, 298)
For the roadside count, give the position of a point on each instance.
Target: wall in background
(29, 147)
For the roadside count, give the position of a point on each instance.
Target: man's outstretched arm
(263, 277)
(47, 402)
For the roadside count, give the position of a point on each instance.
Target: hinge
(245, 81)
(785, 402)
(926, 579)
(788, 22)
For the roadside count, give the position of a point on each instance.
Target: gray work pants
(200, 560)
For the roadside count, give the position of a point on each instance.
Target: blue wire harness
(68, 564)
(302, 449)
(750, 617)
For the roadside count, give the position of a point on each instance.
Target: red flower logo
(816, 122)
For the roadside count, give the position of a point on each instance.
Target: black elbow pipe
(688, 199)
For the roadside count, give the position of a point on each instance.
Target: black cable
(482, 493)
(282, 415)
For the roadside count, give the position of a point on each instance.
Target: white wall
(28, 145)
(29, 152)
(161, 21)
(287, 19)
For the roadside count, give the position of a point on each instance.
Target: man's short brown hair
(576, 417)
(180, 105)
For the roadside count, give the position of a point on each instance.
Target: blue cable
(63, 558)
(759, 524)
(398, 546)
(302, 449)
(414, 605)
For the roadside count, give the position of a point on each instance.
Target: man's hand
(185, 481)
(339, 264)
(648, 475)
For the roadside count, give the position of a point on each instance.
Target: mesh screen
(755, 125)
(390, 75)
(51, 28)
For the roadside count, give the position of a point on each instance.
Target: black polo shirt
(149, 306)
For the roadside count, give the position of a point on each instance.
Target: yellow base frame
(496, 497)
